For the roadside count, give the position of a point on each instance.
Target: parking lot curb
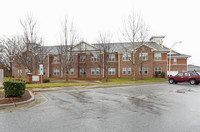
(75, 88)
(19, 103)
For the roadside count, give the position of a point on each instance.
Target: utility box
(1, 76)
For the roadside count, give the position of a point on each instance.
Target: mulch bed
(24, 97)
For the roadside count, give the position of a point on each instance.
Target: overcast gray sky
(178, 20)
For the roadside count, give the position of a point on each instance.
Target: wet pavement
(139, 108)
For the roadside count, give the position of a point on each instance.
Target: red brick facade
(149, 65)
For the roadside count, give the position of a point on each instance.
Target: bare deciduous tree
(134, 31)
(9, 50)
(103, 43)
(68, 40)
(32, 43)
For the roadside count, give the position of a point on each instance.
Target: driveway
(139, 108)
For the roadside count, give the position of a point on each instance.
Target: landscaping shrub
(14, 88)
(46, 80)
(163, 74)
(27, 82)
(157, 74)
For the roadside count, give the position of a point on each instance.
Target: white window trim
(145, 55)
(146, 70)
(83, 58)
(128, 70)
(94, 58)
(56, 72)
(98, 71)
(56, 60)
(111, 57)
(72, 71)
(93, 71)
(157, 56)
(111, 71)
(155, 69)
(126, 56)
(123, 71)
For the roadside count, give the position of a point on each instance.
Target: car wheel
(192, 81)
(171, 81)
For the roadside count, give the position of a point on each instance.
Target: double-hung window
(92, 71)
(97, 71)
(111, 71)
(56, 72)
(143, 56)
(56, 59)
(72, 71)
(82, 71)
(82, 58)
(175, 61)
(70, 58)
(94, 58)
(158, 69)
(126, 56)
(20, 72)
(145, 70)
(157, 56)
(111, 57)
(124, 70)
(129, 70)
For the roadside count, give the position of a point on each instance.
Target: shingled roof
(124, 46)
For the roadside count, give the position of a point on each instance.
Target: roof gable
(83, 46)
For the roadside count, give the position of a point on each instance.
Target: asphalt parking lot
(138, 108)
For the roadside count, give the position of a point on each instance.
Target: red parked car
(191, 77)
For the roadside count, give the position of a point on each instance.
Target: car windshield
(195, 74)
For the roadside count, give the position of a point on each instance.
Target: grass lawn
(47, 85)
(8, 78)
(130, 81)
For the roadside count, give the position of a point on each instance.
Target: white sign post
(41, 72)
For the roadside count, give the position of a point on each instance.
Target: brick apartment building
(86, 65)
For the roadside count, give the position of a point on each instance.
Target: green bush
(14, 89)
(163, 74)
(27, 82)
(46, 80)
(156, 74)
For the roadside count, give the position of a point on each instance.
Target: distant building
(85, 65)
(192, 68)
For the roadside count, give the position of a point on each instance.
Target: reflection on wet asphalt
(137, 108)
